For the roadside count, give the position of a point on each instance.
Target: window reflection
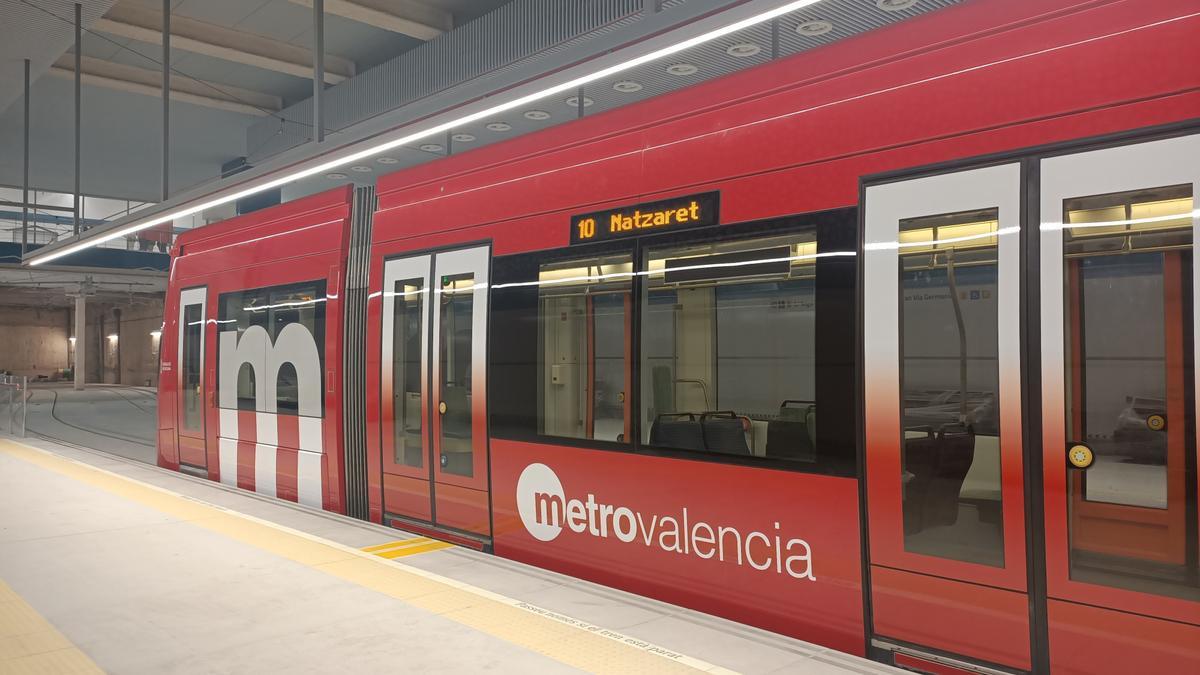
(584, 341)
(1129, 380)
(193, 332)
(456, 304)
(407, 342)
(728, 348)
(950, 374)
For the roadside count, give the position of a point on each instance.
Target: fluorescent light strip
(436, 129)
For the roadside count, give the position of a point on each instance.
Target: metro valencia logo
(545, 510)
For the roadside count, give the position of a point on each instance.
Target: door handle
(442, 407)
(1080, 456)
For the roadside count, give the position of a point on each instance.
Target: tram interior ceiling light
(402, 137)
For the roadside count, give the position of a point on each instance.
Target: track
(94, 416)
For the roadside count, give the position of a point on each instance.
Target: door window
(1129, 388)
(408, 341)
(950, 447)
(192, 334)
(456, 307)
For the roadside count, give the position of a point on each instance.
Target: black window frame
(836, 289)
(319, 287)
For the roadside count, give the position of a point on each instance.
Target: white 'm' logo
(541, 502)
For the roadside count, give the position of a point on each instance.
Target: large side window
(701, 344)
(259, 317)
(584, 315)
(728, 361)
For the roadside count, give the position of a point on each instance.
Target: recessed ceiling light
(742, 50)
(573, 101)
(431, 147)
(387, 160)
(894, 5)
(499, 126)
(627, 86)
(361, 169)
(336, 176)
(463, 138)
(814, 28)
(537, 115)
(682, 69)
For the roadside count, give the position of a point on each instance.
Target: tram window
(456, 305)
(950, 458)
(408, 301)
(193, 330)
(584, 318)
(1127, 268)
(728, 348)
(273, 309)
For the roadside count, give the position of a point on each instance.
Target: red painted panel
(167, 452)
(649, 534)
(462, 508)
(191, 450)
(981, 622)
(287, 474)
(1087, 640)
(405, 496)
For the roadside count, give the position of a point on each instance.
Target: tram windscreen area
(950, 468)
(728, 348)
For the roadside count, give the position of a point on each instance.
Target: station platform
(110, 564)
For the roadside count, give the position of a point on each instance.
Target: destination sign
(632, 221)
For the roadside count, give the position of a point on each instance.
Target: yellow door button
(1080, 456)
(442, 407)
(1156, 422)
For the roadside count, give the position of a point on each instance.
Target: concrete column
(80, 340)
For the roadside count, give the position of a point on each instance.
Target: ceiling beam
(406, 17)
(101, 73)
(199, 37)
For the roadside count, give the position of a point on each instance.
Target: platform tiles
(122, 567)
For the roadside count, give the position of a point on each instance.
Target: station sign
(677, 213)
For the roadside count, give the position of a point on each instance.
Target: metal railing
(14, 395)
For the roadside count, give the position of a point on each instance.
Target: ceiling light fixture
(814, 28)
(336, 175)
(499, 126)
(627, 86)
(463, 138)
(743, 50)
(682, 69)
(537, 115)
(387, 160)
(360, 168)
(894, 5)
(573, 101)
(431, 147)
(401, 137)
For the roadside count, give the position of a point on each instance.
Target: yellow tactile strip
(406, 547)
(572, 642)
(29, 644)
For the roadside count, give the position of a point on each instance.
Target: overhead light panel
(403, 137)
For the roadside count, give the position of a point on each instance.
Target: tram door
(1118, 348)
(1097, 571)
(433, 398)
(190, 382)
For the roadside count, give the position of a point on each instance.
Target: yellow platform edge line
(414, 550)
(31, 644)
(415, 541)
(564, 639)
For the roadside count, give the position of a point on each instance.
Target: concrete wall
(35, 341)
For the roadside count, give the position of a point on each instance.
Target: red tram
(965, 244)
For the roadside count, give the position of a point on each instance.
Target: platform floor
(108, 564)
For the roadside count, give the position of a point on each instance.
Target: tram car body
(963, 244)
